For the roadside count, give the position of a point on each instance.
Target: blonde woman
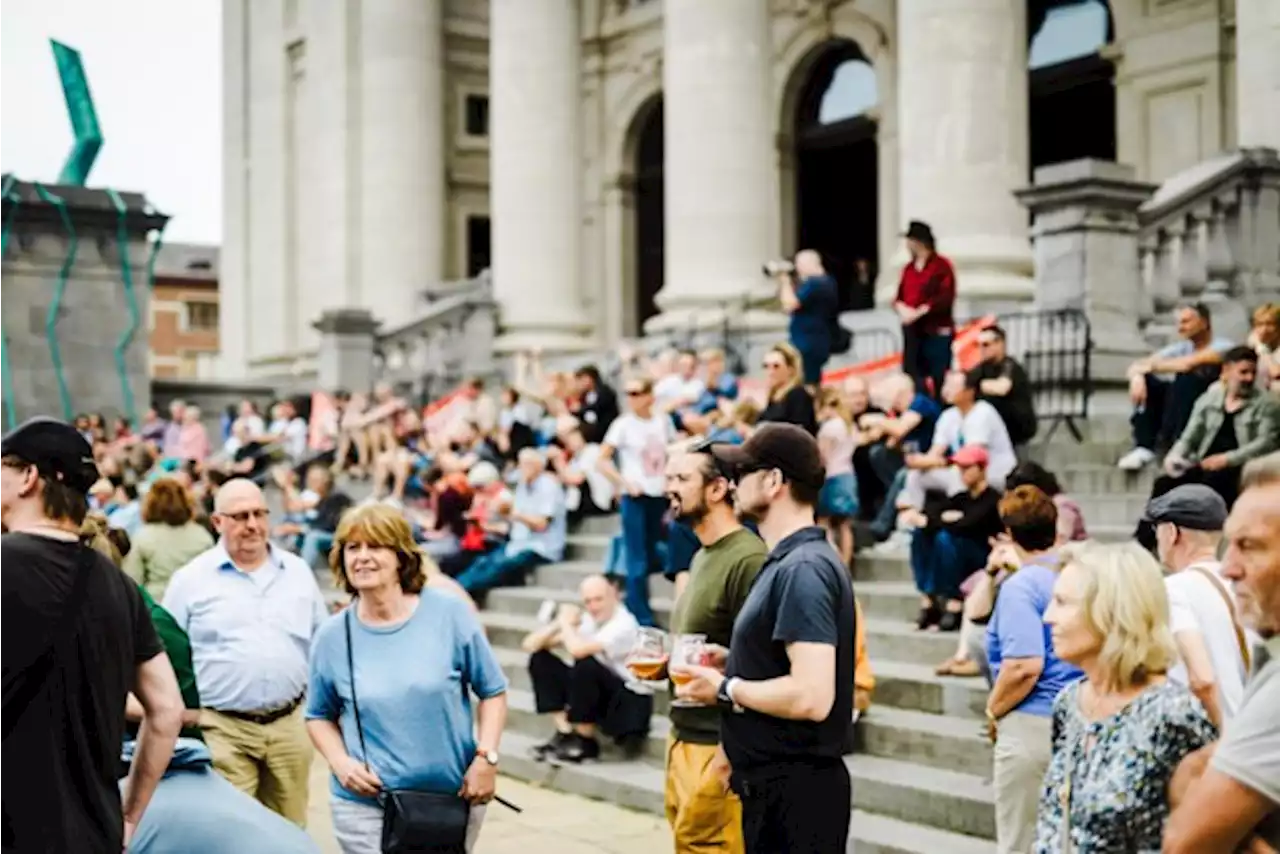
(1119, 733)
(1265, 339)
(788, 400)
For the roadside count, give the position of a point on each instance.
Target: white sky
(154, 67)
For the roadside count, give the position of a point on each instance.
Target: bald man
(598, 638)
(250, 610)
(811, 298)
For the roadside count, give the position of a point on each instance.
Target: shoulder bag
(1241, 640)
(413, 822)
(63, 632)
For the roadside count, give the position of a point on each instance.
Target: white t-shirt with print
(676, 387)
(617, 635)
(984, 426)
(1196, 605)
(641, 445)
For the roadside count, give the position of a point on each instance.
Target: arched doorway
(1072, 110)
(836, 169)
(649, 216)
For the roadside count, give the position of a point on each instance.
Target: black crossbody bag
(413, 822)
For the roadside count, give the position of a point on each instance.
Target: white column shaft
(535, 172)
(1258, 73)
(962, 131)
(233, 330)
(720, 182)
(402, 199)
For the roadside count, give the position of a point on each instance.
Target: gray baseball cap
(1191, 505)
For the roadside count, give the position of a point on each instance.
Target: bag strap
(63, 632)
(351, 671)
(1241, 639)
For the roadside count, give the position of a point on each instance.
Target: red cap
(971, 455)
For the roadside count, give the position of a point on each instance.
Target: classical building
(183, 328)
(624, 165)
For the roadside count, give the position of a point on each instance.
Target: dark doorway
(478, 246)
(837, 204)
(1072, 109)
(649, 214)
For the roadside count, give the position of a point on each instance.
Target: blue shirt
(544, 497)
(819, 303)
(1017, 630)
(127, 516)
(413, 681)
(928, 410)
(726, 388)
(250, 631)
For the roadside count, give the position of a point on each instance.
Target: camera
(778, 267)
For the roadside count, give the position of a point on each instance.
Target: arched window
(1071, 30)
(851, 92)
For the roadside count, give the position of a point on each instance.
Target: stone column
(1087, 256)
(962, 130)
(345, 359)
(721, 188)
(1258, 73)
(535, 173)
(401, 153)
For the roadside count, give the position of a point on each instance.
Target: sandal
(947, 667)
(965, 667)
(927, 617)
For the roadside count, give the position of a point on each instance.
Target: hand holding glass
(648, 655)
(686, 650)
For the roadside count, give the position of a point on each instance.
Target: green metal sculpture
(84, 118)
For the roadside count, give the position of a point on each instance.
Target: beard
(689, 514)
(750, 511)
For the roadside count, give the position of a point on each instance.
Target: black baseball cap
(785, 447)
(1192, 505)
(56, 449)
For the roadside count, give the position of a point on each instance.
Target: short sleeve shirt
(1249, 751)
(802, 595)
(617, 636)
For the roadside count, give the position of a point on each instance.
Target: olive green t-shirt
(720, 577)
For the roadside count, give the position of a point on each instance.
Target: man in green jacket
(178, 647)
(1231, 424)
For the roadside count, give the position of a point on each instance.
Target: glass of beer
(648, 657)
(686, 650)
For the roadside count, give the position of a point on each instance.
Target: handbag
(413, 822)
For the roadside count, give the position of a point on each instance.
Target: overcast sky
(154, 69)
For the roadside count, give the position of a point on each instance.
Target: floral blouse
(1117, 789)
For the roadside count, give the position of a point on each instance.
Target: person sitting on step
(591, 693)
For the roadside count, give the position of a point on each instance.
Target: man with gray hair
(535, 523)
(1226, 797)
(1213, 649)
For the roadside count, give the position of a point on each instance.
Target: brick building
(184, 309)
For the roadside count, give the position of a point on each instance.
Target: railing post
(348, 347)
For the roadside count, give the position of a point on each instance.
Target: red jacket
(934, 285)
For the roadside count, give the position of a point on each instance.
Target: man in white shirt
(639, 439)
(1212, 645)
(684, 387)
(251, 610)
(581, 695)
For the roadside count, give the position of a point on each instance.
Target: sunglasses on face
(636, 392)
(768, 366)
(245, 515)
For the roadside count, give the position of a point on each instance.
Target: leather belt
(263, 718)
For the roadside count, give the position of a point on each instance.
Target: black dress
(795, 407)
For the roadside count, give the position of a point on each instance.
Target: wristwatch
(490, 756)
(724, 696)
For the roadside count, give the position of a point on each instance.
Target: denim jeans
(315, 547)
(1160, 421)
(940, 561)
(926, 359)
(641, 533)
(498, 569)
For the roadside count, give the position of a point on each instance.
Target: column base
(549, 341)
(691, 320)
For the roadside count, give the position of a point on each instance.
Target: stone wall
(93, 316)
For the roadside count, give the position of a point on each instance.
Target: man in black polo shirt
(787, 687)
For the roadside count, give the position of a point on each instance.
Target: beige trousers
(1023, 747)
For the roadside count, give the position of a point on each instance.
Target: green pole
(10, 404)
(59, 291)
(131, 300)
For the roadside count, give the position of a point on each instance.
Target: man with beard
(786, 693)
(702, 815)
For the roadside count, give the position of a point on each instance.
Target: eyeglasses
(245, 515)
(636, 392)
(768, 366)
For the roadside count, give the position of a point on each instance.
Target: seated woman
(409, 658)
(952, 540)
(788, 400)
(1119, 733)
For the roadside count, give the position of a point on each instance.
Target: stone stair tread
(901, 837)
(920, 673)
(522, 700)
(885, 588)
(536, 593)
(938, 781)
(947, 726)
(582, 538)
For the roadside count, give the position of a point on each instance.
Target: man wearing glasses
(786, 690)
(250, 610)
(1004, 384)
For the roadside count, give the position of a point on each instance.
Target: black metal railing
(1056, 350)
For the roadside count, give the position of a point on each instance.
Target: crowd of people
(1132, 691)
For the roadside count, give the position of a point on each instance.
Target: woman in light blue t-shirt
(416, 657)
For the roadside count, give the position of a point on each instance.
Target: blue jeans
(498, 569)
(926, 358)
(941, 561)
(641, 533)
(315, 547)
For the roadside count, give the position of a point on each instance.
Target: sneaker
(545, 751)
(949, 621)
(578, 748)
(1136, 460)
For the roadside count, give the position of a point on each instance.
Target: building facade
(183, 328)
(626, 165)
